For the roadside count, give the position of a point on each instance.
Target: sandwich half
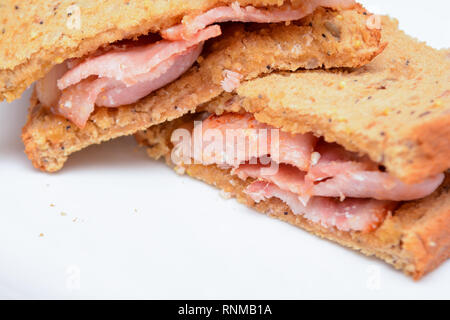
(108, 68)
(361, 155)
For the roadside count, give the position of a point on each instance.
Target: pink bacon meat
(191, 25)
(357, 184)
(349, 215)
(286, 177)
(124, 76)
(376, 185)
(338, 172)
(337, 176)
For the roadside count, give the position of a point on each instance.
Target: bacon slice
(46, 88)
(191, 25)
(77, 102)
(252, 140)
(349, 175)
(376, 185)
(334, 160)
(338, 172)
(124, 76)
(349, 215)
(164, 73)
(356, 184)
(128, 65)
(286, 177)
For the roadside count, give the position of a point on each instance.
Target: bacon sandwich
(362, 156)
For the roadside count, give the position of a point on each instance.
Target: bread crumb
(231, 80)
(374, 22)
(342, 85)
(52, 205)
(63, 214)
(410, 268)
(180, 170)
(225, 195)
(437, 103)
(41, 235)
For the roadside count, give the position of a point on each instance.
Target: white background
(134, 229)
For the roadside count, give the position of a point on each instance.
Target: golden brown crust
(428, 240)
(251, 50)
(395, 109)
(36, 35)
(414, 239)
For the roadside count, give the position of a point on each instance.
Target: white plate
(134, 229)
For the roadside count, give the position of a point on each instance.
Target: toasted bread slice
(36, 36)
(46, 33)
(415, 238)
(252, 50)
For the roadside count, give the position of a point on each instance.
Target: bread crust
(251, 50)
(414, 239)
